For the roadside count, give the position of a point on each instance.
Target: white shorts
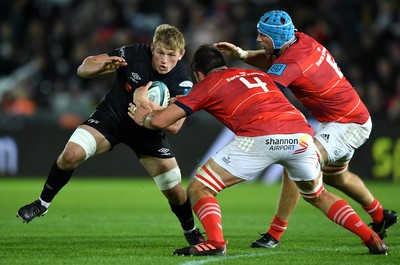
(341, 139)
(246, 157)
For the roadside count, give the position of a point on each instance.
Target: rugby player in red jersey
(268, 130)
(296, 61)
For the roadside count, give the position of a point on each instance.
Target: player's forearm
(258, 58)
(152, 122)
(91, 67)
(174, 128)
(168, 120)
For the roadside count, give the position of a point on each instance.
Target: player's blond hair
(169, 37)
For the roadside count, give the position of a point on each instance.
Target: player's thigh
(341, 139)
(244, 158)
(102, 144)
(227, 178)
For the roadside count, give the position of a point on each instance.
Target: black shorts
(142, 141)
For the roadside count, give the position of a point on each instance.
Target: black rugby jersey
(138, 73)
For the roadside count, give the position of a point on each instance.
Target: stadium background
(42, 42)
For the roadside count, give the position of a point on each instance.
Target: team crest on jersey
(135, 77)
(277, 69)
(226, 159)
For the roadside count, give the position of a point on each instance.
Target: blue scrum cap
(278, 26)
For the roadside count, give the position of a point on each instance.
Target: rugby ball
(159, 93)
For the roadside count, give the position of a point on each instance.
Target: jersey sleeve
(284, 73)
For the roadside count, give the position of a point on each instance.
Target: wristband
(241, 54)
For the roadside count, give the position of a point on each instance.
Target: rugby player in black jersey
(110, 124)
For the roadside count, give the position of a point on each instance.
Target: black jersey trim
(187, 110)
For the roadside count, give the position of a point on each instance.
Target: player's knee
(71, 158)
(85, 140)
(208, 179)
(312, 195)
(169, 179)
(196, 187)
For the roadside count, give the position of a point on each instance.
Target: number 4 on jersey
(258, 83)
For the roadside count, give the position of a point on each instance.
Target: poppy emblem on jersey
(277, 69)
(128, 87)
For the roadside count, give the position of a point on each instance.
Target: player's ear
(181, 54)
(199, 76)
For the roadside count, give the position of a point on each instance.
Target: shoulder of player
(137, 49)
(179, 73)
(138, 46)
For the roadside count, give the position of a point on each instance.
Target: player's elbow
(81, 72)
(85, 69)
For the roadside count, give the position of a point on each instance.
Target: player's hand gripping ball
(159, 94)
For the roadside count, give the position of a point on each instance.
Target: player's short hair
(206, 58)
(278, 26)
(169, 37)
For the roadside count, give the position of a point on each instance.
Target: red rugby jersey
(310, 72)
(247, 102)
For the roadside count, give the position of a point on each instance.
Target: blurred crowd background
(42, 42)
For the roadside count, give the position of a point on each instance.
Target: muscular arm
(142, 107)
(160, 119)
(256, 58)
(101, 64)
(169, 119)
(174, 128)
(259, 59)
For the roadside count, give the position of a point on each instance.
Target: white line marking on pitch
(215, 259)
(219, 258)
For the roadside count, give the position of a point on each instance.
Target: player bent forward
(298, 62)
(252, 106)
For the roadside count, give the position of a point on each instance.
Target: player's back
(249, 103)
(311, 73)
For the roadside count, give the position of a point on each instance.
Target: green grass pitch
(128, 221)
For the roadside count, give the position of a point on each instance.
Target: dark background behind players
(42, 42)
